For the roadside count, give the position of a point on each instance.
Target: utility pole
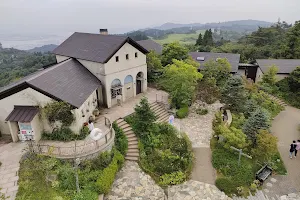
(240, 154)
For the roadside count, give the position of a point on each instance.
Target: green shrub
(100, 162)
(227, 185)
(238, 120)
(107, 176)
(64, 134)
(201, 111)
(59, 111)
(182, 112)
(86, 195)
(233, 136)
(172, 179)
(121, 141)
(84, 130)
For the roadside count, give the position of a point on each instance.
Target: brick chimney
(103, 31)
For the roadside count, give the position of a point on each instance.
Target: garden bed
(165, 153)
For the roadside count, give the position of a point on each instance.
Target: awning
(22, 114)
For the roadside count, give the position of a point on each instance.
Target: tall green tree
(234, 94)
(199, 40)
(154, 65)
(218, 69)
(266, 146)
(259, 120)
(173, 51)
(144, 118)
(269, 77)
(180, 80)
(293, 41)
(294, 80)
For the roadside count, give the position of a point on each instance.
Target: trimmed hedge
(65, 134)
(107, 176)
(227, 185)
(182, 112)
(172, 178)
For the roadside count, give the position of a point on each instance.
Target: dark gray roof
(285, 66)
(22, 114)
(151, 45)
(94, 47)
(67, 81)
(233, 59)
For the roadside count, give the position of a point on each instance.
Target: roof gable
(67, 81)
(285, 66)
(233, 59)
(94, 47)
(151, 45)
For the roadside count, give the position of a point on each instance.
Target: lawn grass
(182, 38)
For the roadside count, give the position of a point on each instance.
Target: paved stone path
(285, 127)
(194, 190)
(199, 130)
(132, 183)
(198, 127)
(10, 155)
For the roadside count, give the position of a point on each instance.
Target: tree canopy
(173, 51)
(180, 80)
(270, 76)
(294, 80)
(154, 65)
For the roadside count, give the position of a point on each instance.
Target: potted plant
(96, 112)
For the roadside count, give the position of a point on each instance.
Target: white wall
(60, 58)
(112, 66)
(259, 75)
(95, 68)
(27, 97)
(241, 72)
(281, 76)
(37, 127)
(79, 120)
(121, 76)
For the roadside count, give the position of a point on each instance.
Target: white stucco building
(91, 70)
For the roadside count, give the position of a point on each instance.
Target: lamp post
(240, 154)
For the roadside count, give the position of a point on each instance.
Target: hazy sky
(66, 16)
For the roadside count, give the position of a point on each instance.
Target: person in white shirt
(119, 99)
(91, 125)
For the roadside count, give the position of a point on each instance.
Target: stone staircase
(160, 112)
(275, 99)
(133, 150)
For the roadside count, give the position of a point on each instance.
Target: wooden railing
(75, 149)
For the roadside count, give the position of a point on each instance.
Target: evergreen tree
(199, 40)
(144, 118)
(173, 51)
(205, 38)
(234, 93)
(269, 77)
(210, 41)
(259, 120)
(294, 80)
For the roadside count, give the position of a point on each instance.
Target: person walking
(297, 148)
(119, 99)
(91, 125)
(292, 148)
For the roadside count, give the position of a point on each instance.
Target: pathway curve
(285, 127)
(10, 155)
(199, 130)
(132, 183)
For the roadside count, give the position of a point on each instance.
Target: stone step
(124, 126)
(153, 104)
(131, 158)
(165, 113)
(133, 151)
(154, 109)
(121, 123)
(159, 112)
(163, 118)
(129, 132)
(132, 142)
(133, 146)
(130, 135)
(119, 120)
(127, 129)
(132, 139)
(131, 154)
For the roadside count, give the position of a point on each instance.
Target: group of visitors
(294, 147)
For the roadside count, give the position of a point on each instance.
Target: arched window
(128, 79)
(116, 83)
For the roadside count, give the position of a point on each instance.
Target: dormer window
(117, 58)
(136, 54)
(127, 56)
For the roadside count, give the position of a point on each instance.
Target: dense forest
(15, 64)
(281, 40)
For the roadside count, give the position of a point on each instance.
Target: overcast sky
(66, 16)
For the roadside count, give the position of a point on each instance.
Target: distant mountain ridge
(249, 22)
(43, 49)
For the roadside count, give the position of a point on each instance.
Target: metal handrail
(77, 150)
